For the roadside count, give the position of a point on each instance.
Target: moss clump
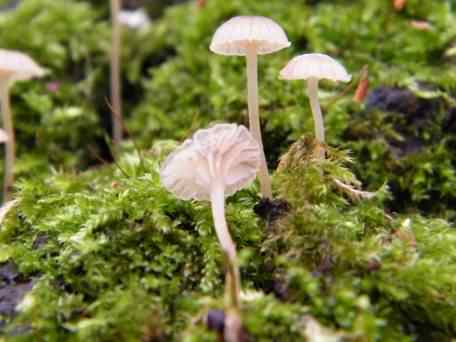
(112, 255)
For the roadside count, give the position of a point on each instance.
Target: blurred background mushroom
(14, 66)
(134, 19)
(3, 136)
(251, 36)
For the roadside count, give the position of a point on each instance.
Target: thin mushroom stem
(115, 74)
(229, 249)
(254, 118)
(10, 144)
(312, 92)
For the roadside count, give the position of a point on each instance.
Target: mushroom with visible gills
(250, 36)
(313, 67)
(213, 164)
(14, 66)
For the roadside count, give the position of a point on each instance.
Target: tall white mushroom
(213, 164)
(250, 36)
(313, 67)
(116, 91)
(14, 66)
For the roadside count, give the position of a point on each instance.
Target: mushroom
(3, 136)
(134, 19)
(213, 164)
(115, 74)
(313, 67)
(14, 66)
(250, 36)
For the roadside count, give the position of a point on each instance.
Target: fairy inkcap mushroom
(313, 67)
(251, 36)
(14, 66)
(213, 164)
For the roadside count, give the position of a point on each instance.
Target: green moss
(120, 258)
(114, 257)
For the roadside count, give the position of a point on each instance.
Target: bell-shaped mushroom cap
(233, 37)
(314, 65)
(18, 66)
(224, 152)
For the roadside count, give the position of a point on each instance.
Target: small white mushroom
(14, 66)
(213, 164)
(313, 67)
(250, 36)
(3, 136)
(134, 19)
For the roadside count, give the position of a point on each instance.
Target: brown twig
(363, 85)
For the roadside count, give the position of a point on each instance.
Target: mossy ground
(112, 256)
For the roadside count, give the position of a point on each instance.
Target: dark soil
(13, 288)
(271, 210)
(412, 114)
(215, 320)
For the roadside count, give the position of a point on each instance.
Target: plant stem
(312, 92)
(10, 145)
(254, 118)
(229, 249)
(115, 74)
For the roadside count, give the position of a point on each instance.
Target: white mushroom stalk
(233, 286)
(312, 92)
(254, 118)
(313, 67)
(251, 36)
(14, 66)
(10, 144)
(214, 164)
(116, 99)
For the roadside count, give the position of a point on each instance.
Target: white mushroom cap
(314, 65)
(18, 66)
(224, 152)
(3, 136)
(234, 36)
(135, 19)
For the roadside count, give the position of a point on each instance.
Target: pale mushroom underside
(224, 152)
